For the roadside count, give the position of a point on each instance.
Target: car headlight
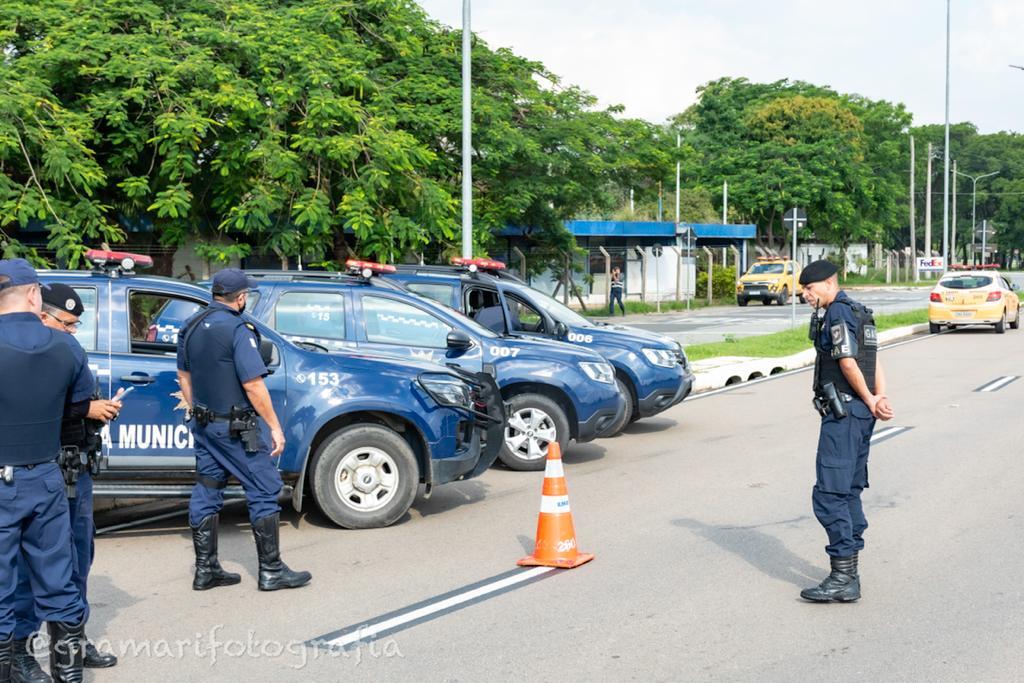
(661, 357)
(599, 372)
(447, 390)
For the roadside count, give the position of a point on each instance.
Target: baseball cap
(16, 272)
(231, 280)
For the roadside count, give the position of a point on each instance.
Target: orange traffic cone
(556, 537)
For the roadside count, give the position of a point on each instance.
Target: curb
(715, 373)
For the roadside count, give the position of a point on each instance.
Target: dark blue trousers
(83, 531)
(842, 474)
(218, 456)
(35, 525)
(616, 295)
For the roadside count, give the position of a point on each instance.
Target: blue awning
(665, 229)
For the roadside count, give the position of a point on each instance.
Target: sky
(651, 55)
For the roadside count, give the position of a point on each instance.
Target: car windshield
(560, 312)
(766, 269)
(966, 282)
(474, 326)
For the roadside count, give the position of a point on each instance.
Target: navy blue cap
(816, 271)
(16, 272)
(231, 280)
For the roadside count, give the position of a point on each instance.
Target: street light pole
(974, 204)
(945, 168)
(467, 136)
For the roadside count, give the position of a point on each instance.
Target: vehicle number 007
(323, 379)
(503, 352)
(584, 338)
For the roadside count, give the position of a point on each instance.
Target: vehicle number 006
(584, 338)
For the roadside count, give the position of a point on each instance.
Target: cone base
(564, 563)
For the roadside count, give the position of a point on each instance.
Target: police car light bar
(475, 264)
(368, 269)
(117, 259)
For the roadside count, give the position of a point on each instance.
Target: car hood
(551, 349)
(629, 337)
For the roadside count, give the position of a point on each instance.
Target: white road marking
(996, 384)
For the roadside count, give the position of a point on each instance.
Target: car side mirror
(459, 340)
(268, 352)
(1014, 286)
(561, 330)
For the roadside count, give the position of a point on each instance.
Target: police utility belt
(830, 401)
(243, 423)
(72, 461)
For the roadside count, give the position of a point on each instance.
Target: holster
(244, 425)
(72, 462)
(828, 401)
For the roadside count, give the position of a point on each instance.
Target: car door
(395, 326)
(150, 432)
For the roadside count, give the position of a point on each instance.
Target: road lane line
(887, 433)
(997, 384)
(430, 609)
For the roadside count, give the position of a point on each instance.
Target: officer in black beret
(849, 394)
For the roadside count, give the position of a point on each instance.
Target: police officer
(42, 370)
(221, 374)
(79, 436)
(849, 393)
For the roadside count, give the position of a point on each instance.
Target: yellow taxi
(974, 297)
(770, 279)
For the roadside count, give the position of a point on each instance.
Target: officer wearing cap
(42, 370)
(79, 436)
(849, 393)
(221, 374)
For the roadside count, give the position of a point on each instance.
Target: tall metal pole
(467, 136)
(677, 181)
(984, 239)
(945, 168)
(974, 215)
(792, 292)
(913, 215)
(952, 220)
(725, 202)
(928, 207)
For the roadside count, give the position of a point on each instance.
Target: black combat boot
(209, 573)
(6, 656)
(25, 668)
(842, 585)
(94, 659)
(274, 574)
(66, 644)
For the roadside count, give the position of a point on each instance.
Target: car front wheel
(534, 422)
(364, 477)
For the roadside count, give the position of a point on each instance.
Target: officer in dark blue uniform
(221, 374)
(42, 370)
(849, 394)
(80, 447)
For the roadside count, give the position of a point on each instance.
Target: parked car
(362, 432)
(554, 392)
(651, 370)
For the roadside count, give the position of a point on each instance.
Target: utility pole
(725, 203)
(945, 154)
(913, 217)
(952, 225)
(928, 207)
(677, 181)
(467, 135)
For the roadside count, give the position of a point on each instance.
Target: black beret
(817, 271)
(62, 297)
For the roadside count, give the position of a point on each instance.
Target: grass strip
(788, 342)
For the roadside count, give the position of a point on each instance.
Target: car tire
(766, 302)
(627, 414)
(376, 454)
(532, 413)
(740, 301)
(1015, 325)
(934, 328)
(1001, 325)
(784, 296)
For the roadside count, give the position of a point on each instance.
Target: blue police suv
(554, 392)
(362, 432)
(651, 369)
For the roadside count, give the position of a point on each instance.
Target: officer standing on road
(849, 393)
(80, 447)
(616, 288)
(221, 374)
(42, 370)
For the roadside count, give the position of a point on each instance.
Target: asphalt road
(702, 526)
(714, 324)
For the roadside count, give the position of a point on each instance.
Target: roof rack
(315, 276)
